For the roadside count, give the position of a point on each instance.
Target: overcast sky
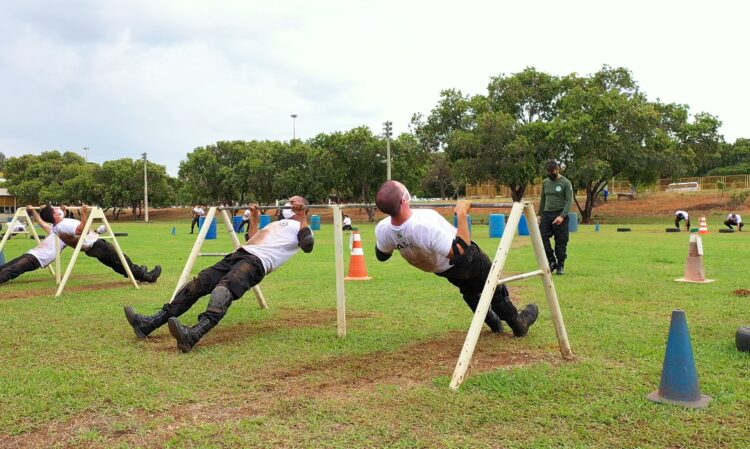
(163, 77)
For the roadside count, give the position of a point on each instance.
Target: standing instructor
(557, 199)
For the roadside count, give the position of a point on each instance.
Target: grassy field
(72, 373)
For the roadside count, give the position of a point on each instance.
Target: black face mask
(552, 176)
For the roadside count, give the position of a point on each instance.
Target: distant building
(7, 205)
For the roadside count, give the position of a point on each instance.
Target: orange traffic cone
(694, 271)
(357, 265)
(704, 227)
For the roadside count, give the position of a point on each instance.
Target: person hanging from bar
(428, 242)
(226, 281)
(69, 230)
(33, 259)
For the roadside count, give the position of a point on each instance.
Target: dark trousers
(470, 281)
(192, 225)
(106, 253)
(677, 221)
(559, 232)
(730, 223)
(238, 272)
(18, 266)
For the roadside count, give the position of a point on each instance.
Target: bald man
(427, 241)
(226, 281)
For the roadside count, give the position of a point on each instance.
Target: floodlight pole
(388, 127)
(294, 126)
(145, 187)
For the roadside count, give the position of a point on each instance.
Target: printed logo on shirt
(283, 223)
(558, 188)
(404, 245)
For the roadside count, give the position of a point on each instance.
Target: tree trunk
(517, 191)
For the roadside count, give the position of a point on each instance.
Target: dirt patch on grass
(741, 292)
(342, 378)
(241, 333)
(37, 292)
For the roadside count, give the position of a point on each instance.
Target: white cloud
(124, 77)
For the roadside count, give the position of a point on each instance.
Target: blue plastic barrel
(497, 225)
(265, 220)
(237, 222)
(315, 222)
(212, 228)
(523, 226)
(572, 222)
(455, 221)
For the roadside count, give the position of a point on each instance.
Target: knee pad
(221, 297)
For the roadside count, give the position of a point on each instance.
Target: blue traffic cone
(174, 230)
(679, 381)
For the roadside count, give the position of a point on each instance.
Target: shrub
(738, 198)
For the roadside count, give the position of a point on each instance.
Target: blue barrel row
(265, 220)
(496, 222)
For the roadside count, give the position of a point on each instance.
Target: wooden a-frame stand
(195, 252)
(22, 216)
(494, 279)
(96, 213)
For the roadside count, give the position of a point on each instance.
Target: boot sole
(174, 329)
(128, 314)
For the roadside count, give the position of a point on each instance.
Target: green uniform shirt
(557, 195)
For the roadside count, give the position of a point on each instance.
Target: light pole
(86, 153)
(145, 187)
(388, 127)
(294, 126)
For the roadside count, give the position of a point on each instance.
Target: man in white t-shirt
(265, 251)
(427, 241)
(197, 213)
(679, 216)
(347, 224)
(69, 230)
(35, 258)
(245, 220)
(734, 220)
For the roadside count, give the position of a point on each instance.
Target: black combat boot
(552, 265)
(186, 336)
(144, 325)
(493, 321)
(153, 275)
(524, 320)
(561, 268)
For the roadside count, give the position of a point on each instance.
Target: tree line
(600, 126)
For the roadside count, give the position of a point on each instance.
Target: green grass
(73, 373)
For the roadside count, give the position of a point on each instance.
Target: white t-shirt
(735, 218)
(246, 216)
(18, 227)
(424, 240)
(199, 211)
(275, 244)
(45, 252)
(67, 227)
(347, 221)
(681, 214)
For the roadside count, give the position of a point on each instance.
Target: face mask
(552, 176)
(287, 213)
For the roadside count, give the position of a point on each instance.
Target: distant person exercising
(679, 216)
(554, 206)
(734, 220)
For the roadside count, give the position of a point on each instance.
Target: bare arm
(44, 225)
(254, 220)
(84, 217)
(462, 213)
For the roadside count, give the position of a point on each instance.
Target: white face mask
(287, 213)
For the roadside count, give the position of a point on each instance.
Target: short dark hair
(552, 165)
(388, 198)
(47, 213)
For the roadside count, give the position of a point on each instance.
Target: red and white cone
(357, 265)
(704, 227)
